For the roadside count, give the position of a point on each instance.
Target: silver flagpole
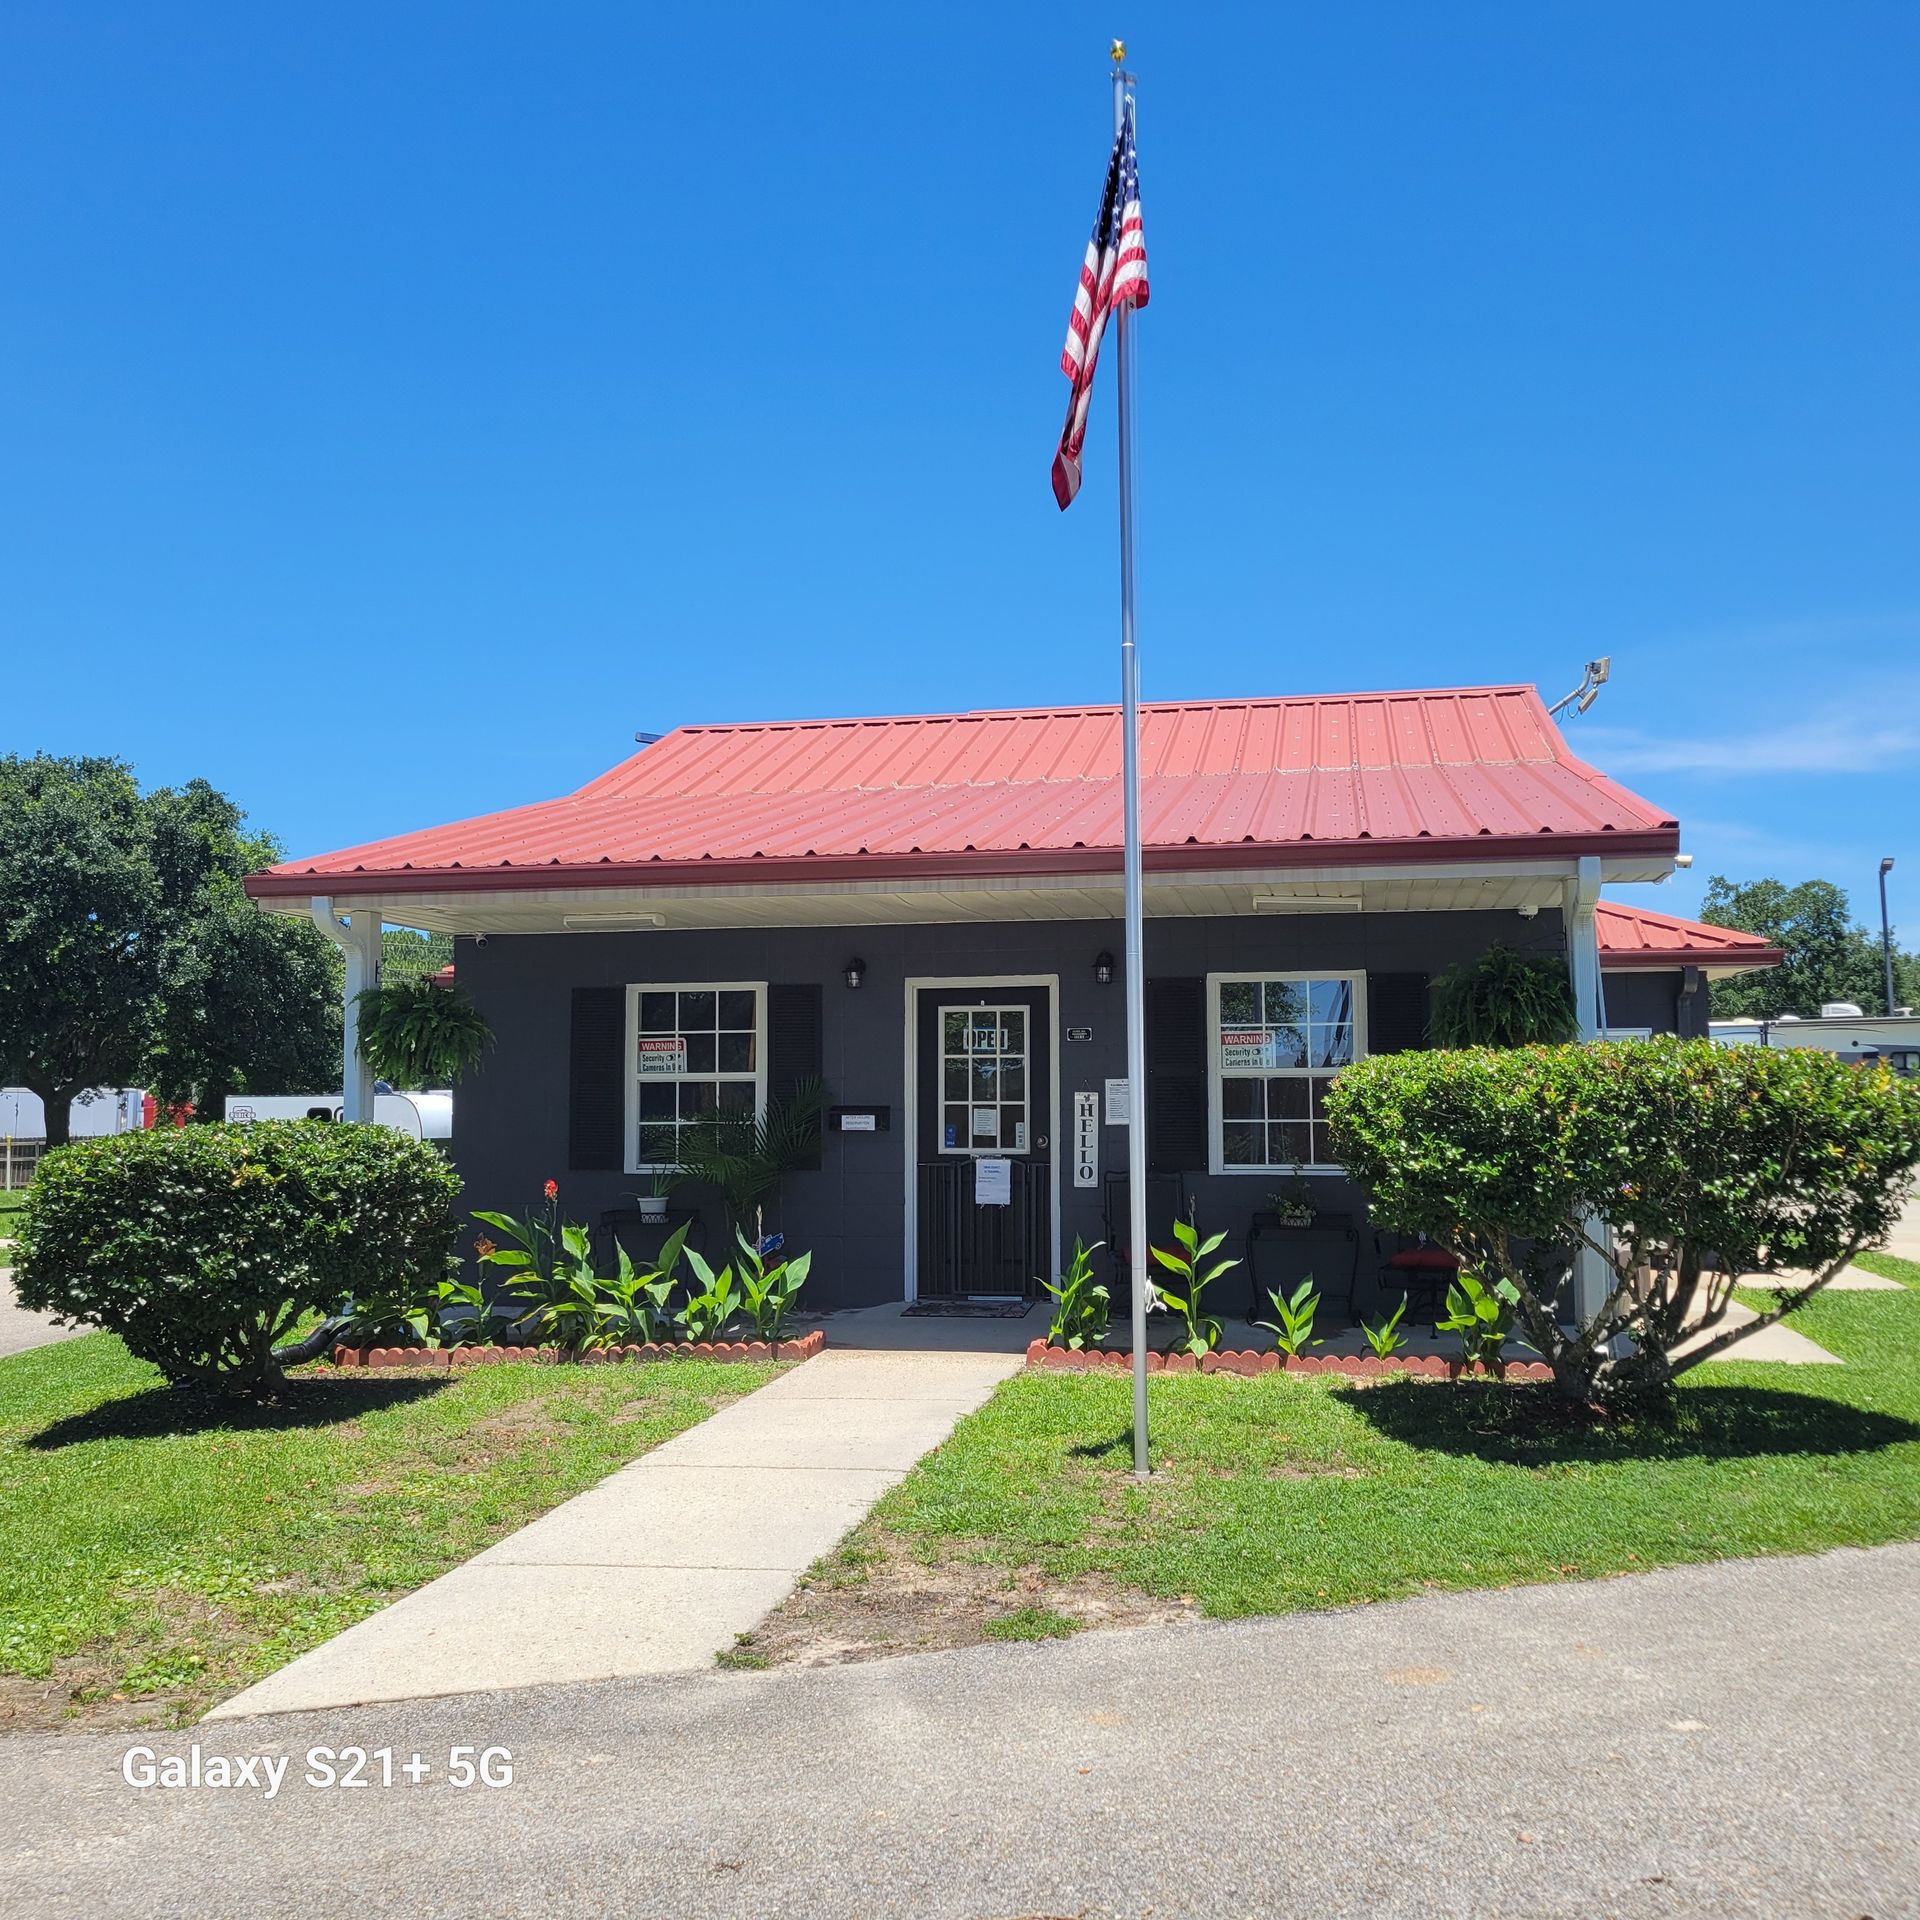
(1130, 781)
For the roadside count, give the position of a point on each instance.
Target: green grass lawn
(163, 1548)
(12, 1199)
(1278, 1492)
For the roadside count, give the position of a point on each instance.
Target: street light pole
(1886, 932)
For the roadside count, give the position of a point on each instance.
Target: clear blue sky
(401, 405)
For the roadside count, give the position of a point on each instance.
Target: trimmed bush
(1703, 1161)
(203, 1247)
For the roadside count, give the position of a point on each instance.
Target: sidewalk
(665, 1562)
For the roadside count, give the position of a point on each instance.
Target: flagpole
(1130, 782)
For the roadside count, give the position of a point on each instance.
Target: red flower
(553, 1188)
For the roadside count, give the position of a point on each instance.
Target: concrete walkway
(20, 1330)
(665, 1562)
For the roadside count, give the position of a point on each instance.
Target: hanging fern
(421, 1033)
(1504, 999)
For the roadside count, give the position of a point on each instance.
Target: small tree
(1681, 1164)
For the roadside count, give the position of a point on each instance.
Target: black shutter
(796, 1016)
(1396, 1012)
(1177, 1076)
(596, 1081)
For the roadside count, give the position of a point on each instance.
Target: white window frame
(1216, 1074)
(631, 1066)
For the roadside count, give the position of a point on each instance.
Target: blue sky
(403, 405)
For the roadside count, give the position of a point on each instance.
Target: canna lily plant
(1190, 1269)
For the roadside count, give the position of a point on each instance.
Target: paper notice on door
(992, 1183)
(986, 1123)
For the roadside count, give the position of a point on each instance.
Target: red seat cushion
(1425, 1260)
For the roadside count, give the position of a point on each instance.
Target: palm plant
(748, 1155)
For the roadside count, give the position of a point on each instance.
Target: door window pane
(983, 1062)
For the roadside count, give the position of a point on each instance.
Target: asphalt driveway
(1725, 1740)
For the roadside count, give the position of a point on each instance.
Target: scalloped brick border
(444, 1359)
(1244, 1360)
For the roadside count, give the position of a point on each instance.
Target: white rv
(420, 1116)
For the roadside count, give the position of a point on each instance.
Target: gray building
(924, 913)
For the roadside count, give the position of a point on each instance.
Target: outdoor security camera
(479, 939)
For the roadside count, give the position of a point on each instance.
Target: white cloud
(1845, 739)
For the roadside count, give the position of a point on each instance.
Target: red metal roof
(1472, 771)
(1638, 937)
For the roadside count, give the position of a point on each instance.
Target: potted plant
(657, 1147)
(1292, 1203)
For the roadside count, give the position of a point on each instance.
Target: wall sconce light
(854, 972)
(1103, 969)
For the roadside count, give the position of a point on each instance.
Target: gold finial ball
(1117, 52)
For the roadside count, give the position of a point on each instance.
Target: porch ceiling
(1505, 886)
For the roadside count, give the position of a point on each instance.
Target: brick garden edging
(440, 1359)
(1354, 1366)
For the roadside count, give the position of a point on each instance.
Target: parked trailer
(421, 1116)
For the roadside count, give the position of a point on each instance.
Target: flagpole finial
(1117, 52)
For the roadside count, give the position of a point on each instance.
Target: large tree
(1829, 957)
(129, 954)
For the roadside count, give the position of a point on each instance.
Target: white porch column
(358, 938)
(1592, 1277)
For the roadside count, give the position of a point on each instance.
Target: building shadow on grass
(163, 1411)
(1528, 1426)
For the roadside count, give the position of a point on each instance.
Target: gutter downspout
(358, 938)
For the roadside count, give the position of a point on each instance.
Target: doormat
(968, 1310)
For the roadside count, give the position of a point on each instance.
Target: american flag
(1114, 274)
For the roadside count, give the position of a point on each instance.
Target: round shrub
(1680, 1163)
(203, 1246)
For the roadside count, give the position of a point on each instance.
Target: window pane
(1319, 1094)
(1239, 1003)
(658, 1100)
(986, 1085)
(1286, 1003)
(1241, 1143)
(1240, 1098)
(956, 1127)
(1013, 1129)
(736, 1053)
(953, 1037)
(1289, 1141)
(736, 1008)
(1332, 1003)
(1332, 1046)
(736, 1096)
(700, 1051)
(697, 1009)
(1013, 1080)
(696, 1098)
(956, 1081)
(656, 1013)
(1286, 1047)
(984, 1033)
(1013, 1032)
(1287, 1099)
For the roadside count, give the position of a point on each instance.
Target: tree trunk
(58, 1102)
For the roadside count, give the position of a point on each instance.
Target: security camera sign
(663, 1056)
(1247, 1047)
